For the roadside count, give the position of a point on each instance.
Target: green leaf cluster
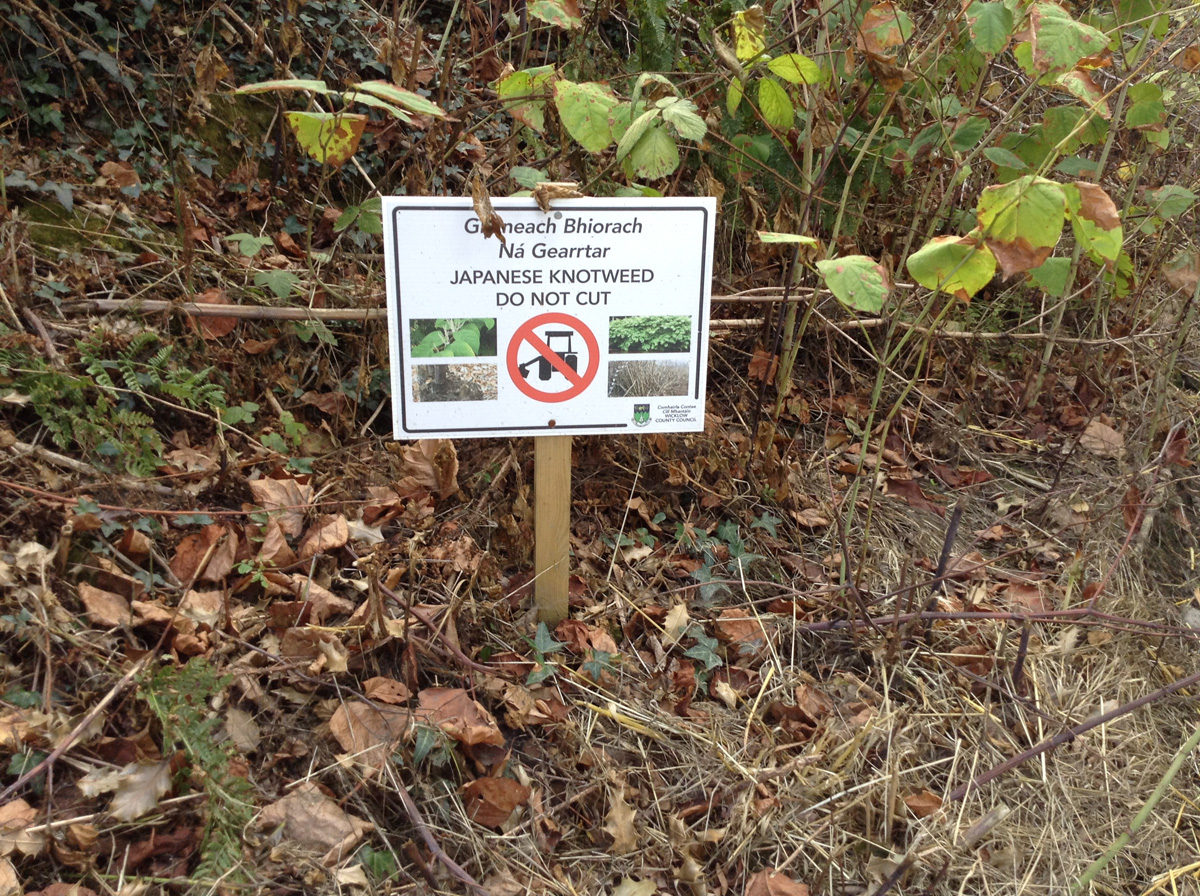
(662, 333)
(103, 404)
(453, 337)
(178, 696)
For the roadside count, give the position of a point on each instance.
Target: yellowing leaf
(563, 13)
(584, 110)
(857, 281)
(330, 138)
(1022, 221)
(960, 266)
(749, 29)
(796, 68)
(883, 28)
(1057, 41)
(775, 105)
(1095, 219)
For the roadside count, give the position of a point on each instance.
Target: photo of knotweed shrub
(645, 378)
(660, 334)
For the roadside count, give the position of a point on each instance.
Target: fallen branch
(269, 312)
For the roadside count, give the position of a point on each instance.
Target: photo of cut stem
(454, 382)
(660, 334)
(454, 337)
(645, 378)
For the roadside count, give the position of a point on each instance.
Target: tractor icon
(545, 368)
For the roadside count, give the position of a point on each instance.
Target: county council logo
(641, 414)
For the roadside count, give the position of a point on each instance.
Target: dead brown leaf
(275, 550)
(286, 499)
(104, 608)
(15, 818)
(1102, 440)
(490, 223)
(366, 732)
(619, 823)
(770, 882)
(328, 533)
(490, 801)
(465, 720)
(923, 804)
(214, 327)
(136, 788)
(314, 821)
(386, 690)
(910, 493)
(430, 464)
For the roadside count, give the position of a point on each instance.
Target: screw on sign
(546, 349)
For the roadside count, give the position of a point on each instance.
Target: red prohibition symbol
(553, 356)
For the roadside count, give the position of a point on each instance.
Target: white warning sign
(590, 318)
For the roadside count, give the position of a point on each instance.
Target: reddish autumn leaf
(490, 801)
(1027, 598)
(763, 366)
(465, 720)
(1133, 510)
(1187, 59)
(1175, 450)
(910, 493)
(213, 327)
(328, 533)
(923, 804)
(770, 882)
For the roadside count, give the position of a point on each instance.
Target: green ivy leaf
(958, 265)
(796, 68)
(544, 642)
(775, 105)
(857, 281)
(584, 110)
(330, 138)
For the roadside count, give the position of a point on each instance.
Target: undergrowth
(178, 696)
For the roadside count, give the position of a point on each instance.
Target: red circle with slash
(527, 334)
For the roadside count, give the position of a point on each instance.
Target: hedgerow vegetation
(916, 605)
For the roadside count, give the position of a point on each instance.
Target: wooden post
(551, 526)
